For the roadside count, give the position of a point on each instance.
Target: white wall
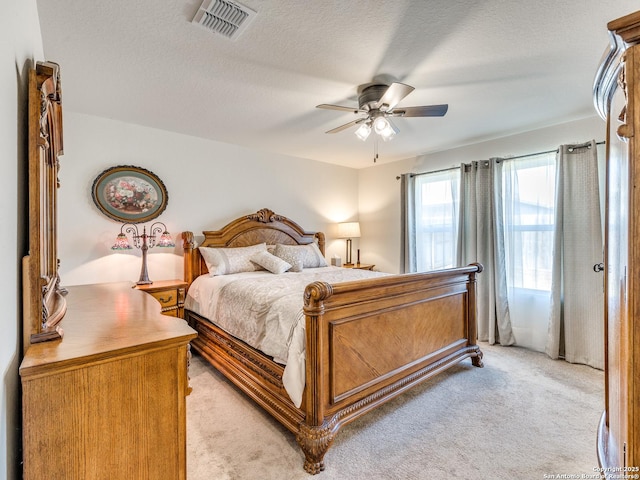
(209, 184)
(20, 43)
(379, 190)
(232, 181)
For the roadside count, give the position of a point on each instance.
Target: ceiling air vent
(225, 17)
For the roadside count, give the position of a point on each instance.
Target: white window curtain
(576, 327)
(430, 220)
(528, 196)
(481, 239)
(437, 198)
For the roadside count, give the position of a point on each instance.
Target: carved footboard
(369, 341)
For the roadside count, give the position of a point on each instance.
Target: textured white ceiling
(503, 66)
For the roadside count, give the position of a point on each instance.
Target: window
(524, 191)
(528, 192)
(436, 200)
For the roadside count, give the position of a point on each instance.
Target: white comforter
(265, 311)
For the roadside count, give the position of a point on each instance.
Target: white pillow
(292, 256)
(310, 255)
(223, 261)
(313, 256)
(270, 262)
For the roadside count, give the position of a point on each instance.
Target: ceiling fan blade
(346, 125)
(425, 111)
(393, 95)
(326, 106)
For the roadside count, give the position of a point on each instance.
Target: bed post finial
(321, 241)
(188, 246)
(188, 240)
(315, 293)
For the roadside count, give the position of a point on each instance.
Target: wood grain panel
(113, 410)
(369, 348)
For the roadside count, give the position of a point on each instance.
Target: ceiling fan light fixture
(363, 131)
(387, 136)
(385, 129)
(378, 103)
(380, 124)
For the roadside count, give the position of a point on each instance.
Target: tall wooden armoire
(617, 98)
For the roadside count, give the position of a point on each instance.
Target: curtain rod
(505, 158)
(582, 145)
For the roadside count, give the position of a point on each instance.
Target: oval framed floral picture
(129, 194)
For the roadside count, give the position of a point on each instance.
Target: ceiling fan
(378, 103)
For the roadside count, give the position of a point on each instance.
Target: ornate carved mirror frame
(44, 304)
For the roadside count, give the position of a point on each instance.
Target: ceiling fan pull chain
(375, 150)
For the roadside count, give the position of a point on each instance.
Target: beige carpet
(520, 417)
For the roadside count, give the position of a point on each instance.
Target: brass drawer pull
(163, 300)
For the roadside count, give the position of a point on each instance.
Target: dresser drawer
(170, 295)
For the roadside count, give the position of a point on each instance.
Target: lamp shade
(166, 240)
(349, 230)
(122, 243)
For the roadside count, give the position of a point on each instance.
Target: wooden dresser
(107, 401)
(617, 98)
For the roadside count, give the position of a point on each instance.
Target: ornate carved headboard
(44, 304)
(262, 226)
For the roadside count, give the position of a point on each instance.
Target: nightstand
(360, 266)
(170, 294)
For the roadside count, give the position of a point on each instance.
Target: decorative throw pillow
(309, 254)
(291, 255)
(270, 262)
(223, 261)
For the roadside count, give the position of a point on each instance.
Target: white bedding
(265, 311)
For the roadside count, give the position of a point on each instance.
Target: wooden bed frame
(367, 341)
